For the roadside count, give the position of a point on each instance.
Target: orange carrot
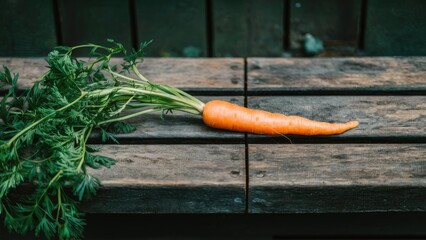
(224, 115)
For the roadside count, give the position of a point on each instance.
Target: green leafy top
(44, 132)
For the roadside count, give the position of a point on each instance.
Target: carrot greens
(44, 133)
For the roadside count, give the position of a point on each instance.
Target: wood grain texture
(178, 128)
(247, 28)
(389, 117)
(337, 178)
(395, 28)
(178, 28)
(27, 28)
(197, 73)
(208, 75)
(95, 21)
(338, 165)
(336, 74)
(171, 179)
(334, 22)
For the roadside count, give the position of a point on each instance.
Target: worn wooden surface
(247, 28)
(334, 22)
(337, 199)
(178, 28)
(395, 28)
(171, 179)
(95, 21)
(27, 28)
(202, 75)
(224, 75)
(178, 165)
(337, 178)
(348, 75)
(380, 117)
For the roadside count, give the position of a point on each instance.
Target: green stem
(20, 113)
(84, 147)
(191, 98)
(199, 106)
(89, 45)
(59, 203)
(190, 111)
(136, 71)
(126, 78)
(129, 116)
(52, 181)
(185, 94)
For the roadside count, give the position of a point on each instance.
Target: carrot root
(228, 116)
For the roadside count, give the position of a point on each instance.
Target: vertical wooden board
(27, 28)
(335, 22)
(95, 21)
(178, 28)
(247, 28)
(395, 27)
(230, 28)
(266, 28)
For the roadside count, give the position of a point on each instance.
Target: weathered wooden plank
(247, 28)
(337, 178)
(336, 74)
(208, 75)
(178, 128)
(338, 165)
(380, 117)
(95, 21)
(178, 28)
(337, 199)
(29, 69)
(395, 28)
(171, 179)
(27, 28)
(197, 74)
(334, 22)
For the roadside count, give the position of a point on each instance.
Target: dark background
(344, 226)
(218, 28)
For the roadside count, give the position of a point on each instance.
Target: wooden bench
(178, 165)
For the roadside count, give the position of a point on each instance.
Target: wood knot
(254, 67)
(235, 80)
(126, 160)
(260, 174)
(258, 157)
(235, 67)
(235, 173)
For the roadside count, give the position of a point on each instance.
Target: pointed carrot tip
(353, 124)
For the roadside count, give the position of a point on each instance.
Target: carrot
(224, 115)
